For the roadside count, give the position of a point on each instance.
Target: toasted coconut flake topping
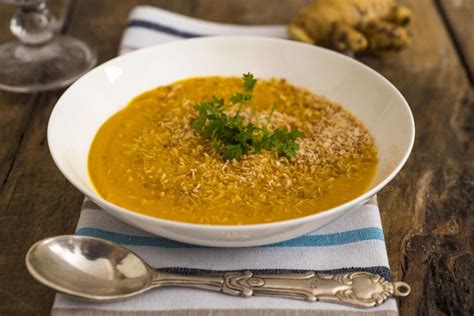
(177, 166)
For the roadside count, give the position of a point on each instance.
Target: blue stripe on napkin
(347, 237)
(161, 28)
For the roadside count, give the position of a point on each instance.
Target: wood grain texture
(36, 202)
(426, 211)
(16, 109)
(459, 15)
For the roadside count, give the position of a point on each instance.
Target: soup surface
(149, 159)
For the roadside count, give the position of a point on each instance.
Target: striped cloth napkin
(354, 242)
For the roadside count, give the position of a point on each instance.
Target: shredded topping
(174, 165)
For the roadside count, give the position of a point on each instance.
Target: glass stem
(33, 24)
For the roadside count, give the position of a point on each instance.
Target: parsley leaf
(232, 137)
(249, 82)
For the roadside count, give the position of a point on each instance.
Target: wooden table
(426, 211)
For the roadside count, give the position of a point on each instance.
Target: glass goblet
(39, 59)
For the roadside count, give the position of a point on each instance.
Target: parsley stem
(241, 105)
(255, 117)
(270, 116)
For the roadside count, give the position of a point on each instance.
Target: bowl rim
(294, 221)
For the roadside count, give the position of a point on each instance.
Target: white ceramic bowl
(106, 89)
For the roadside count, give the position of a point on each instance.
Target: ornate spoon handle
(362, 289)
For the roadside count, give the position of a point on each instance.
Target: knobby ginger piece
(353, 25)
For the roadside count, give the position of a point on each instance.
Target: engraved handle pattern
(362, 289)
(358, 288)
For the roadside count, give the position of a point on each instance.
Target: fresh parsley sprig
(232, 137)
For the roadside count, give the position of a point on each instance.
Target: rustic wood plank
(427, 209)
(15, 109)
(15, 114)
(36, 202)
(249, 11)
(459, 15)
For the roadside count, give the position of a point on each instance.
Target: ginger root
(353, 25)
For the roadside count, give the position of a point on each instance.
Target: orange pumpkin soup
(149, 159)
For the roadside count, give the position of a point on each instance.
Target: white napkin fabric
(354, 242)
(149, 26)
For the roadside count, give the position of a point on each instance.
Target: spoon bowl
(88, 267)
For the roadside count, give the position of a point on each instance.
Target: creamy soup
(149, 159)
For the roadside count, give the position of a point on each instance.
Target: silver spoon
(100, 270)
